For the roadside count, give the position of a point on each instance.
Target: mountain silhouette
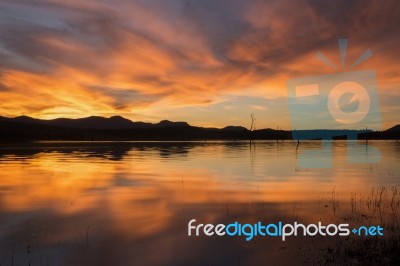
(234, 128)
(395, 128)
(117, 128)
(93, 122)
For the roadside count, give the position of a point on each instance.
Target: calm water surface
(129, 203)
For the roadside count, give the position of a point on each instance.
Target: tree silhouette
(252, 126)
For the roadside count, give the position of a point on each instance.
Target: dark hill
(94, 122)
(395, 128)
(235, 128)
(117, 128)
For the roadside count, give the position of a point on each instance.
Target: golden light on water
(71, 200)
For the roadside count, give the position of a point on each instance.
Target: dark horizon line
(170, 121)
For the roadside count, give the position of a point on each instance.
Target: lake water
(130, 203)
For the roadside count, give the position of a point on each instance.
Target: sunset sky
(207, 62)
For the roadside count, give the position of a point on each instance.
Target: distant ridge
(235, 128)
(395, 128)
(118, 128)
(93, 122)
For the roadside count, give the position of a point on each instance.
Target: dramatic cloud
(183, 58)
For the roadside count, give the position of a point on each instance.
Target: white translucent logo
(359, 94)
(344, 103)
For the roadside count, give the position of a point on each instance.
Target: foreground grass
(380, 206)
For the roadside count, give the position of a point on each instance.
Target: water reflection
(129, 203)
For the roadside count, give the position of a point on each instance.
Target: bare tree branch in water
(252, 126)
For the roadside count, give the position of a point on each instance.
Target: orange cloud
(94, 58)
